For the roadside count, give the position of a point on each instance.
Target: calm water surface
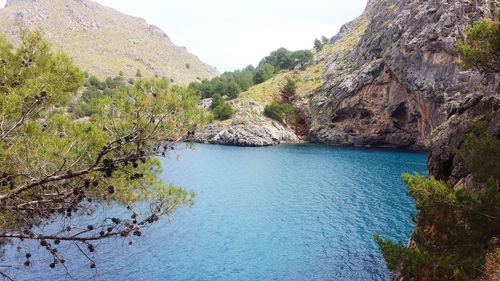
(297, 212)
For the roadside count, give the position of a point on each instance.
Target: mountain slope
(104, 41)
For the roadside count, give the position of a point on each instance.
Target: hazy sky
(231, 34)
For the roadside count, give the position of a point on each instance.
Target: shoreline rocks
(248, 127)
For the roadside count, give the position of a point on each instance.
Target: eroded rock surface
(247, 128)
(444, 162)
(393, 88)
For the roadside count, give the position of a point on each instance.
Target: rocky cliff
(387, 79)
(444, 163)
(395, 85)
(247, 128)
(103, 41)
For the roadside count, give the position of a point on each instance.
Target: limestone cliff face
(397, 82)
(104, 41)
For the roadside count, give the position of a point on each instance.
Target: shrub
(93, 81)
(216, 101)
(96, 90)
(453, 234)
(290, 88)
(279, 59)
(264, 72)
(285, 59)
(480, 153)
(223, 111)
(281, 112)
(481, 47)
(302, 58)
(318, 45)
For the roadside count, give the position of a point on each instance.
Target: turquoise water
(297, 212)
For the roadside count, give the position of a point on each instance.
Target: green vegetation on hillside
(307, 81)
(480, 152)
(95, 90)
(228, 84)
(284, 59)
(223, 111)
(53, 166)
(290, 88)
(282, 112)
(263, 73)
(318, 45)
(481, 47)
(231, 84)
(220, 108)
(347, 42)
(455, 230)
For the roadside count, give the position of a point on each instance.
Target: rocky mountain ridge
(103, 41)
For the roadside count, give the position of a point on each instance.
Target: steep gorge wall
(401, 79)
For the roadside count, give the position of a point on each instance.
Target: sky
(231, 34)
